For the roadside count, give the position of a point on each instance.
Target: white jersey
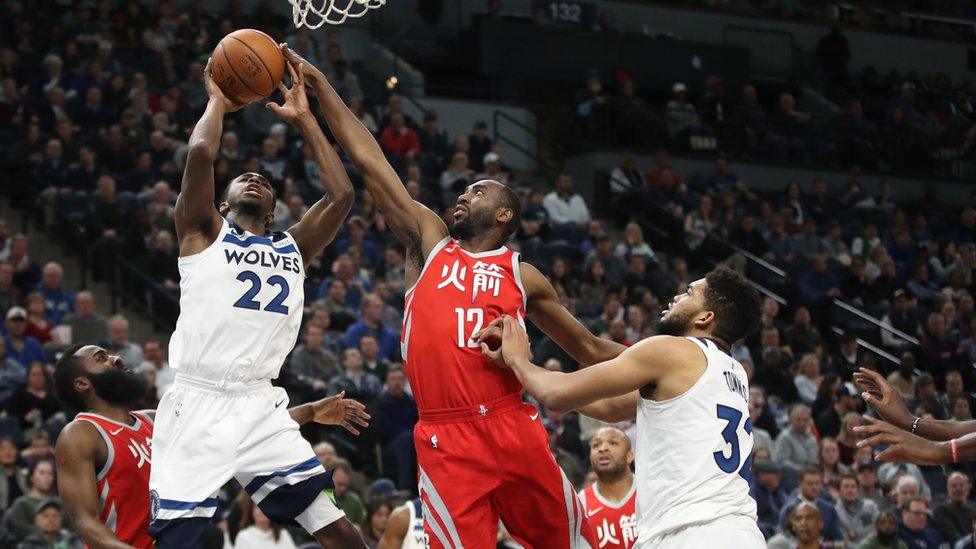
(415, 528)
(694, 452)
(241, 303)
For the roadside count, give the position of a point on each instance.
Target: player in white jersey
(405, 529)
(241, 301)
(690, 398)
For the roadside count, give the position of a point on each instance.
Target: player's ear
(504, 215)
(630, 457)
(705, 319)
(223, 208)
(268, 220)
(82, 384)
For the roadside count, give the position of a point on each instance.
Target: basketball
(247, 65)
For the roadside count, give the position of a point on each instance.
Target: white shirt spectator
(165, 376)
(253, 538)
(571, 209)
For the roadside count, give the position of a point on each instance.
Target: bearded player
(690, 399)
(482, 453)
(610, 502)
(104, 455)
(241, 302)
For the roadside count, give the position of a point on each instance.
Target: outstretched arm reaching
(197, 221)
(418, 228)
(319, 225)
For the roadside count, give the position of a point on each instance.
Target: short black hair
(735, 303)
(510, 199)
(66, 370)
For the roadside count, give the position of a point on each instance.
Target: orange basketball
(247, 65)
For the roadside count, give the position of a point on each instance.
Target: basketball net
(313, 13)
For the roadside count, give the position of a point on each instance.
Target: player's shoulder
(666, 342)
(79, 436)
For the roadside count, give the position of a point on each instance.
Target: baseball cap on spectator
(869, 465)
(899, 293)
(678, 87)
(767, 466)
(846, 389)
(46, 504)
(278, 129)
(356, 220)
(17, 312)
(491, 157)
(382, 488)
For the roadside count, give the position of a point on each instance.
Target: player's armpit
(76, 451)
(547, 312)
(613, 410)
(396, 529)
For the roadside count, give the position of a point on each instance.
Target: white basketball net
(313, 13)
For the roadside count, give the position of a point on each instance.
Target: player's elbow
(344, 199)
(557, 401)
(198, 150)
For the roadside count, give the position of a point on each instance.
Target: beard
(611, 472)
(674, 324)
(475, 224)
(248, 207)
(119, 388)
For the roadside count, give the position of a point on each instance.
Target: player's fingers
(347, 426)
(301, 74)
(890, 453)
(273, 107)
(283, 89)
(291, 71)
(359, 421)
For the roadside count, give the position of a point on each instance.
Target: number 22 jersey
(241, 303)
(457, 294)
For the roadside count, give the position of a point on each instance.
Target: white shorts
(723, 533)
(206, 435)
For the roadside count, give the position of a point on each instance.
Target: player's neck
(251, 224)
(485, 243)
(722, 345)
(615, 490)
(115, 413)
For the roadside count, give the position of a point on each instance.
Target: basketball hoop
(313, 13)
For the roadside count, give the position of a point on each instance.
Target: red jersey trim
(430, 256)
(110, 457)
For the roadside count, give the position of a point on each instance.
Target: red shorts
(493, 462)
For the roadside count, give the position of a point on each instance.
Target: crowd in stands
(94, 115)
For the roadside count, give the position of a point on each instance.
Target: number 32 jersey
(241, 305)
(457, 294)
(694, 452)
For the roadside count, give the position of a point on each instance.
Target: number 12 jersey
(457, 294)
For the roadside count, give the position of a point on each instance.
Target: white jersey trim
(517, 272)
(609, 504)
(110, 456)
(430, 256)
(488, 253)
(660, 403)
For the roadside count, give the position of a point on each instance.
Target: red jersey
(123, 482)
(615, 524)
(457, 294)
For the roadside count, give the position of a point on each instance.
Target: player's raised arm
(396, 529)
(77, 484)
(413, 223)
(320, 224)
(640, 365)
(197, 221)
(546, 311)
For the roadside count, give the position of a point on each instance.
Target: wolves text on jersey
(264, 258)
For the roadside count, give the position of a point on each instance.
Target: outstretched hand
(345, 412)
(296, 102)
(214, 91)
(514, 341)
(902, 445)
(313, 76)
(883, 398)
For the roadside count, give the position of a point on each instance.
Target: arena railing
(133, 288)
(876, 322)
(870, 347)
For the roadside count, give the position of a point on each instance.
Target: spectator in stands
(370, 348)
(9, 294)
(21, 347)
(480, 145)
(34, 403)
(398, 140)
(118, 341)
(12, 377)
(809, 379)
(493, 169)
(312, 362)
(802, 336)
(954, 518)
(356, 106)
(567, 210)
(37, 326)
(354, 380)
(748, 237)
(374, 525)
(915, 531)
(84, 322)
(750, 119)
(819, 284)
(155, 361)
(921, 286)
(257, 531)
(788, 131)
(769, 495)
(927, 398)
(48, 530)
(939, 348)
(346, 499)
(41, 488)
(773, 369)
(903, 379)
(625, 177)
(796, 447)
(857, 515)
(457, 176)
(434, 145)
(396, 414)
(885, 534)
(27, 274)
(58, 302)
(371, 324)
(829, 421)
(808, 493)
(679, 114)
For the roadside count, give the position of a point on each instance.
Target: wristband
(954, 446)
(915, 424)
